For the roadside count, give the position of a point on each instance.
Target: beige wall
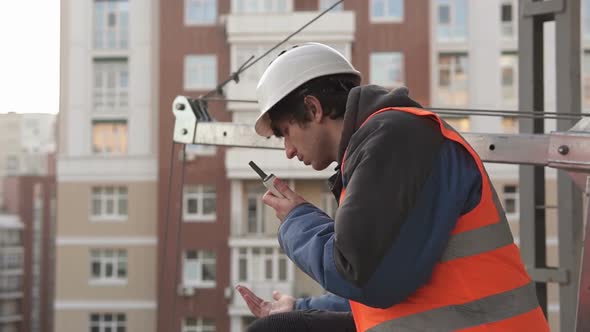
(72, 281)
(74, 207)
(311, 190)
(73, 269)
(78, 320)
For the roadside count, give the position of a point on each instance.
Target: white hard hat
(290, 70)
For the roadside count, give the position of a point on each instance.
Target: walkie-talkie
(267, 180)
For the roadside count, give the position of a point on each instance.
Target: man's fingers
(254, 306)
(251, 299)
(257, 308)
(246, 292)
(284, 189)
(271, 200)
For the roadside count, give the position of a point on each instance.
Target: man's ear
(315, 108)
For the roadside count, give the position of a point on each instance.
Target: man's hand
(261, 308)
(282, 206)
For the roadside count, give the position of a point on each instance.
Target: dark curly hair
(331, 91)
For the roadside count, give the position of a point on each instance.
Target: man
(420, 241)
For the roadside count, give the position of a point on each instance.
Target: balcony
(11, 295)
(236, 163)
(259, 265)
(254, 34)
(10, 319)
(246, 28)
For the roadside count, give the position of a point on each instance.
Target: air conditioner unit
(184, 290)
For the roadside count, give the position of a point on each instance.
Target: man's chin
(319, 167)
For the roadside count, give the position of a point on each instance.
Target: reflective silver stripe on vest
(450, 318)
(478, 241)
(481, 239)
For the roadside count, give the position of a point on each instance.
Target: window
(387, 69)
(509, 78)
(108, 265)
(199, 268)
(200, 72)
(586, 80)
(10, 238)
(461, 124)
(111, 24)
(325, 4)
(199, 203)
(444, 14)
(586, 19)
(108, 322)
(243, 264)
(329, 204)
(509, 125)
(511, 201)
(198, 325)
(387, 10)
(451, 20)
(262, 264)
(109, 203)
(11, 260)
(9, 307)
(258, 220)
(12, 163)
(260, 6)
(507, 20)
(452, 79)
(109, 137)
(200, 12)
(111, 85)
(10, 283)
(256, 213)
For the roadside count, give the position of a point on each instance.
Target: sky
(29, 56)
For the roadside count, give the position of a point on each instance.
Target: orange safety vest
(480, 283)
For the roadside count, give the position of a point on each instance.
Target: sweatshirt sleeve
(391, 229)
(328, 302)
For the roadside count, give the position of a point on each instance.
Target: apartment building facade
(27, 254)
(27, 142)
(106, 234)
(193, 207)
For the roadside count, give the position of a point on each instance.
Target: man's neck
(335, 135)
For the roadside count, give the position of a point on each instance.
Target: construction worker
(420, 241)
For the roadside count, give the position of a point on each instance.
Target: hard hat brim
(262, 126)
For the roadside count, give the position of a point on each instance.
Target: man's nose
(290, 150)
